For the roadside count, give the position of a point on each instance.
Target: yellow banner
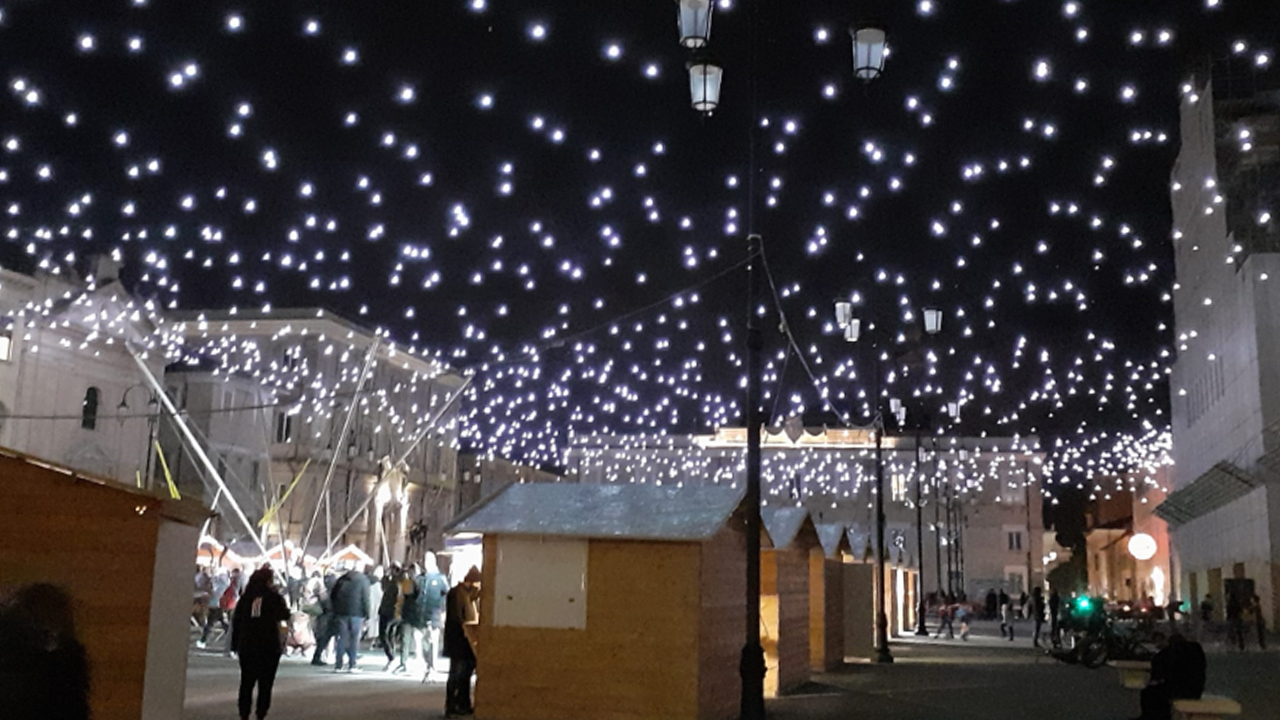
(271, 512)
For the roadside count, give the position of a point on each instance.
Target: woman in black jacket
(258, 630)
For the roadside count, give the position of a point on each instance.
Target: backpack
(228, 599)
(431, 592)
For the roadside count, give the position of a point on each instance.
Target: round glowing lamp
(1142, 546)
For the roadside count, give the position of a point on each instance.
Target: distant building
(480, 477)
(1121, 567)
(269, 397)
(70, 392)
(980, 497)
(1224, 508)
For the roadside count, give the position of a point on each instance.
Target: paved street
(981, 679)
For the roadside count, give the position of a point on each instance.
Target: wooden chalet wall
(720, 629)
(637, 659)
(99, 543)
(859, 609)
(784, 616)
(826, 612)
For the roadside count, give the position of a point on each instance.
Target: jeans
(457, 691)
(257, 670)
(348, 639)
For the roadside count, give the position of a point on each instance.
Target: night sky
(523, 189)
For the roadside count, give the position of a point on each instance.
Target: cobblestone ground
(985, 678)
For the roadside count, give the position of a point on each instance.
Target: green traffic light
(1084, 603)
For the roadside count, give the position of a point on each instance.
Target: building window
(89, 410)
(6, 345)
(284, 428)
(292, 357)
(899, 487)
(1015, 540)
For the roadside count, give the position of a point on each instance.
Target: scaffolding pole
(191, 442)
(341, 443)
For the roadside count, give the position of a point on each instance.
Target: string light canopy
(869, 51)
(695, 22)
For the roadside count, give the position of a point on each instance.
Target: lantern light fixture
(695, 22)
(705, 79)
(869, 51)
(932, 321)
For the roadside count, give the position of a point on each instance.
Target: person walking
(946, 610)
(350, 597)
(411, 613)
(962, 615)
(1006, 616)
(992, 605)
(326, 624)
(1055, 607)
(201, 597)
(387, 612)
(460, 619)
(258, 631)
(1037, 613)
(1235, 619)
(1259, 620)
(433, 587)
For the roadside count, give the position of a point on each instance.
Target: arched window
(89, 410)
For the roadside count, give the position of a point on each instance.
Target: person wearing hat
(460, 617)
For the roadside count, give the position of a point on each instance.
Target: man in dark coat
(326, 624)
(350, 598)
(1177, 673)
(258, 629)
(460, 612)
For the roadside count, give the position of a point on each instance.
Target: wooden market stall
(126, 558)
(859, 589)
(826, 597)
(609, 602)
(784, 597)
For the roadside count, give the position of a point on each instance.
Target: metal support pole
(339, 446)
(922, 630)
(882, 616)
(181, 423)
(752, 665)
(937, 524)
(351, 520)
(951, 542)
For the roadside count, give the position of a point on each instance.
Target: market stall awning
(1218, 486)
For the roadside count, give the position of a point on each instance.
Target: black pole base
(922, 631)
(883, 656)
(752, 668)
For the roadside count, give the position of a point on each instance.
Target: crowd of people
(330, 613)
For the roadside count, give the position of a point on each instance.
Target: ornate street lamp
(844, 314)
(932, 321)
(695, 22)
(868, 51)
(705, 78)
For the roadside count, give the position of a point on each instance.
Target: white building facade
(70, 391)
(1224, 508)
(270, 395)
(980, 498)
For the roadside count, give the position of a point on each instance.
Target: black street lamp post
(706, 80)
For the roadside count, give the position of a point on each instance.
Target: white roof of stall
(833, 537)
(622, 512)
